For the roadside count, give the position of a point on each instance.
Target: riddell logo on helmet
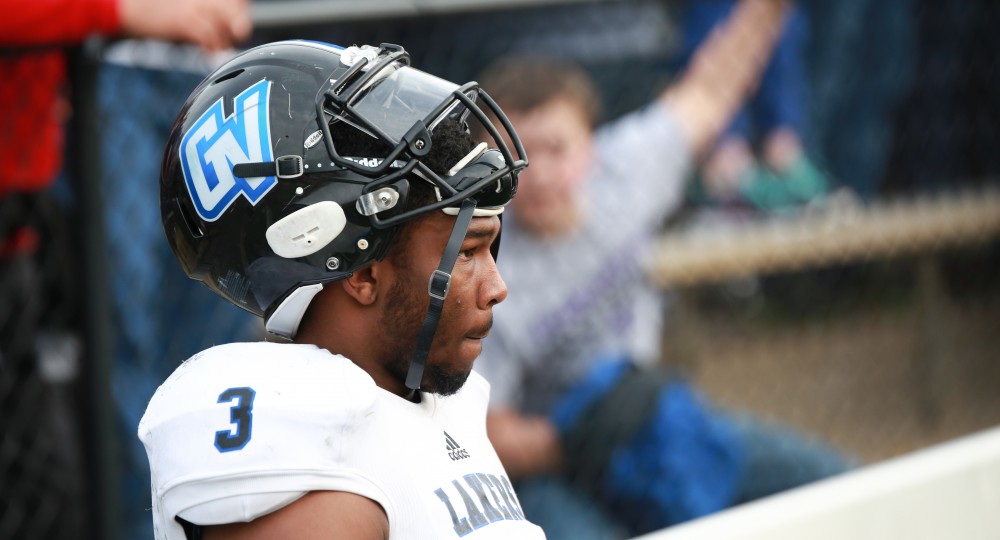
(214, 143)
(367, 162)
(374, 161)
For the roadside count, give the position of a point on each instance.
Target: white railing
(271, 13)
(949, 491)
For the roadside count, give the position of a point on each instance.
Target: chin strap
(437, 288)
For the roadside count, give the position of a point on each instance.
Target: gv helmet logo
(215, 143)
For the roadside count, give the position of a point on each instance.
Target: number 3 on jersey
(241, 415)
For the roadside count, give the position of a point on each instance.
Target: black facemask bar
(416, 142)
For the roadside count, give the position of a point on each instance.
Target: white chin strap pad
(285, 320)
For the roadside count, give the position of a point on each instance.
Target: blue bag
(643, 442)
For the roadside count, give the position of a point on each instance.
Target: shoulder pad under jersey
(242, 429)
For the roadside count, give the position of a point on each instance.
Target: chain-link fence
(864, 312)
(42, 455)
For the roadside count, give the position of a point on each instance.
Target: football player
(338, 194)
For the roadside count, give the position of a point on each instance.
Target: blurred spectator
(771, 125)
(580, 315)
(35, 37)
(39, 341)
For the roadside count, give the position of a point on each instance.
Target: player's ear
(363, 284)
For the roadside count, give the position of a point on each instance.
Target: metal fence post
(102, 450)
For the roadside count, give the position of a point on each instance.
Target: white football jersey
(244, 429)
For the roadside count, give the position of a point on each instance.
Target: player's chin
(445, 380)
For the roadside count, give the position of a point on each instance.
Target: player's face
(476, 286)
(557, 140)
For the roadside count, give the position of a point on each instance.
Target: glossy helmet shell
(258, 204)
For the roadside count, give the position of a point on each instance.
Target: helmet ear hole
(231, 75)
(193, 225)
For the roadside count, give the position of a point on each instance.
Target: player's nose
(494, 288)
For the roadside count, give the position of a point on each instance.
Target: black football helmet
(260, 203)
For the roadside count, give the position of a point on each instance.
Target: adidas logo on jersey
(455, 452)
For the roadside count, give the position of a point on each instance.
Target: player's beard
(401, 323)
